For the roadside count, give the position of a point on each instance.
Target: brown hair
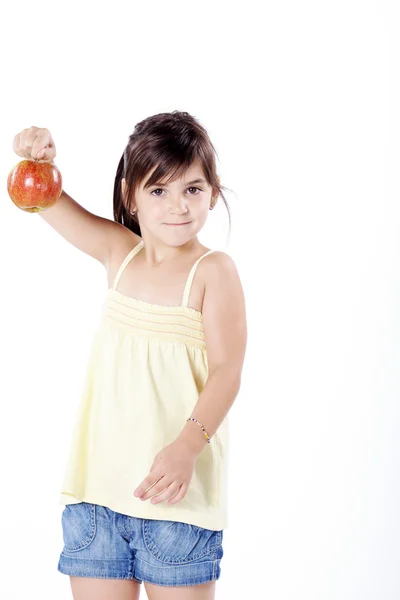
(172, 141)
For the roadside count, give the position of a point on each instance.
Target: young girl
(145, 485)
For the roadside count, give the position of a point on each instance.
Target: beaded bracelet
(205, 432)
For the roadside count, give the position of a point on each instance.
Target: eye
(189, 188)
(156, 191)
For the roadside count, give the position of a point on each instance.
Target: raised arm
(88, 232)
(91, 233)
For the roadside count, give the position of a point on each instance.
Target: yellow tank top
(147, 366)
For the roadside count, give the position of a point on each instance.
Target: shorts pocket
(176, 542)
(78, 525)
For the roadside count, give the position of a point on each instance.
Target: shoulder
(223, 312)
(219, 274)
(218, 263)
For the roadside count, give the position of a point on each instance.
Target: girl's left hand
(173, 469)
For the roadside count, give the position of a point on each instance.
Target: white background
(301, 100)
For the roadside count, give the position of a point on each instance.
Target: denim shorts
(99, 542)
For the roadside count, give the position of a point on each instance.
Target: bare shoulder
(217, 264)
(219, 275)
(224, 313)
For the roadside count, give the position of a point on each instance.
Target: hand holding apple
(35, 183)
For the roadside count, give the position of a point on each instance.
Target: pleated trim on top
(176, 323)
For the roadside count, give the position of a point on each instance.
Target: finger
(42, 153)
(21, 143)
(169, 492)
(147, 483)
(140, 490)
(156, 488)
(17, 145)
(181, 494)
(28, 139)
(42, 145)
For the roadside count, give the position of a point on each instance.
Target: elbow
(228, 373)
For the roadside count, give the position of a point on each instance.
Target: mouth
(177, 224)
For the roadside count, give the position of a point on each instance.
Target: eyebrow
(200, 180)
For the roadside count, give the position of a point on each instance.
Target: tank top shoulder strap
(189, 280)
(126, 260)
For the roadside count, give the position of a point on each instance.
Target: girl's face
(176, 212)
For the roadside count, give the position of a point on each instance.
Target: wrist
(193, 440)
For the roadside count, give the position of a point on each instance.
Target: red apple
(34, 185)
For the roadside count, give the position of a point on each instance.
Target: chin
(176, 243)
(178, 240)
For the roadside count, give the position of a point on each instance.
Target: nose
(178, 207)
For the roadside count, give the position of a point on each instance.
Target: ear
(216, 194)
